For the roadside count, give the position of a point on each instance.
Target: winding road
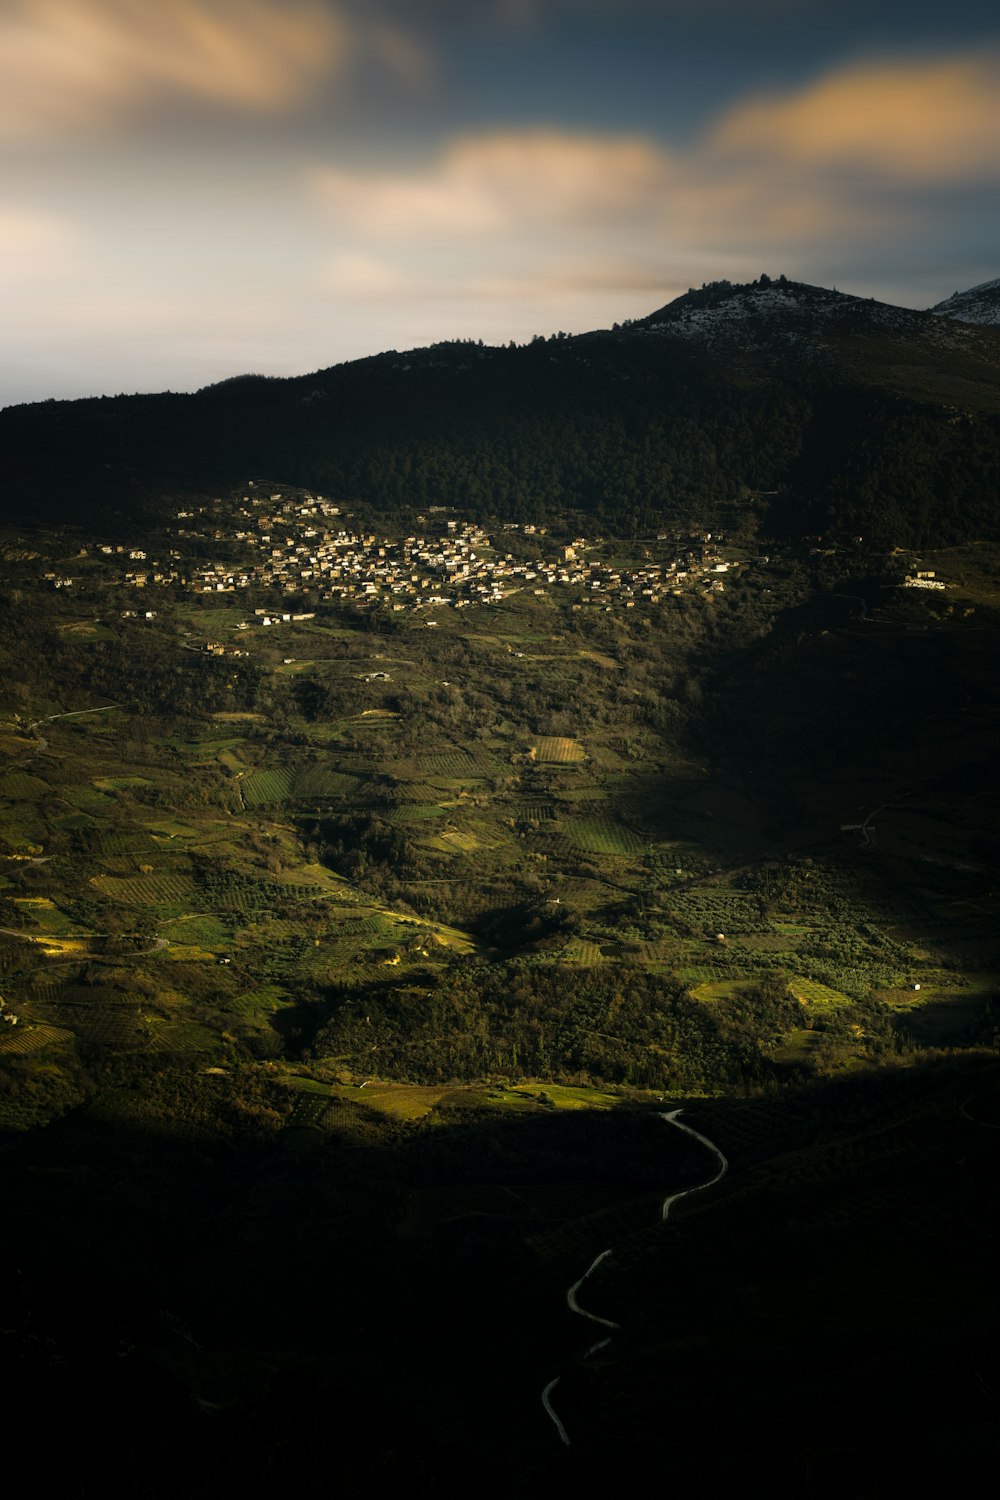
(39, 939)
(73, 713)
(571, 1295)
(574, 1306)
(41, 743)
(672, 1119)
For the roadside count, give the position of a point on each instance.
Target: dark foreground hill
(252, 1310)
(843, 414)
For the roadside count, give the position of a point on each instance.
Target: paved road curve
(571, 1295)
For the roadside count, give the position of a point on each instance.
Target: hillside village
(286, 555)
(303, 547)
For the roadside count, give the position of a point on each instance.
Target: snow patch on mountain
(771, 315)
(980, 305)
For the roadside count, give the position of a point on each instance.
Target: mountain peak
(767, 292)
(774, 314)
(980, 304)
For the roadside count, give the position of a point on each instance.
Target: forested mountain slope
(845, 414)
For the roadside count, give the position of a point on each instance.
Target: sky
(194, 189)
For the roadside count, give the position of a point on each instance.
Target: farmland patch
(817, 996)
(796, 1046)
(533, 812)
(450, 764)
(464, 842)
(323, 781)
(262, 788)
(86, 798)
(145, 890)
(25, 1039)
(19, 786)
(414, 812)
(400, 1101)
(260, 1002)
(170, 828)
(182, 1036)
(598, 835)
(719, 989)
(559, 750)
(582, 951)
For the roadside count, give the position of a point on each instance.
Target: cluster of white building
(301, 545)
(923, 580)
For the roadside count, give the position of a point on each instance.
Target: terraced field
(25, 1039)
(706, 974)
(415, 812)
(816, 996)
(558, 750)
(452, 764)
(720, 989)
(463, 842)
(261, 1002)
(602, 835)
(533, 812)
(263, 788)
(43, 914)
(146, 890)
(182, 1036)
(413, 791)
(323, 781)
(582, 951)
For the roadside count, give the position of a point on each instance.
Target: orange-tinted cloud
(504, 182)
(82, 63)
(914, 122)
(544, 188)
(538, 218)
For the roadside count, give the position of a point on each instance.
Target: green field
(602, 836)
(145, 890)
(816, 996)
(261, 1002)
(262, 788)
(323, 781)
(718, 989)
(559, 751)
(415, 812)
(19, 786)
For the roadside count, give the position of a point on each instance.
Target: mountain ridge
(853, 414)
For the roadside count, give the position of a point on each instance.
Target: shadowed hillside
(849, 414)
